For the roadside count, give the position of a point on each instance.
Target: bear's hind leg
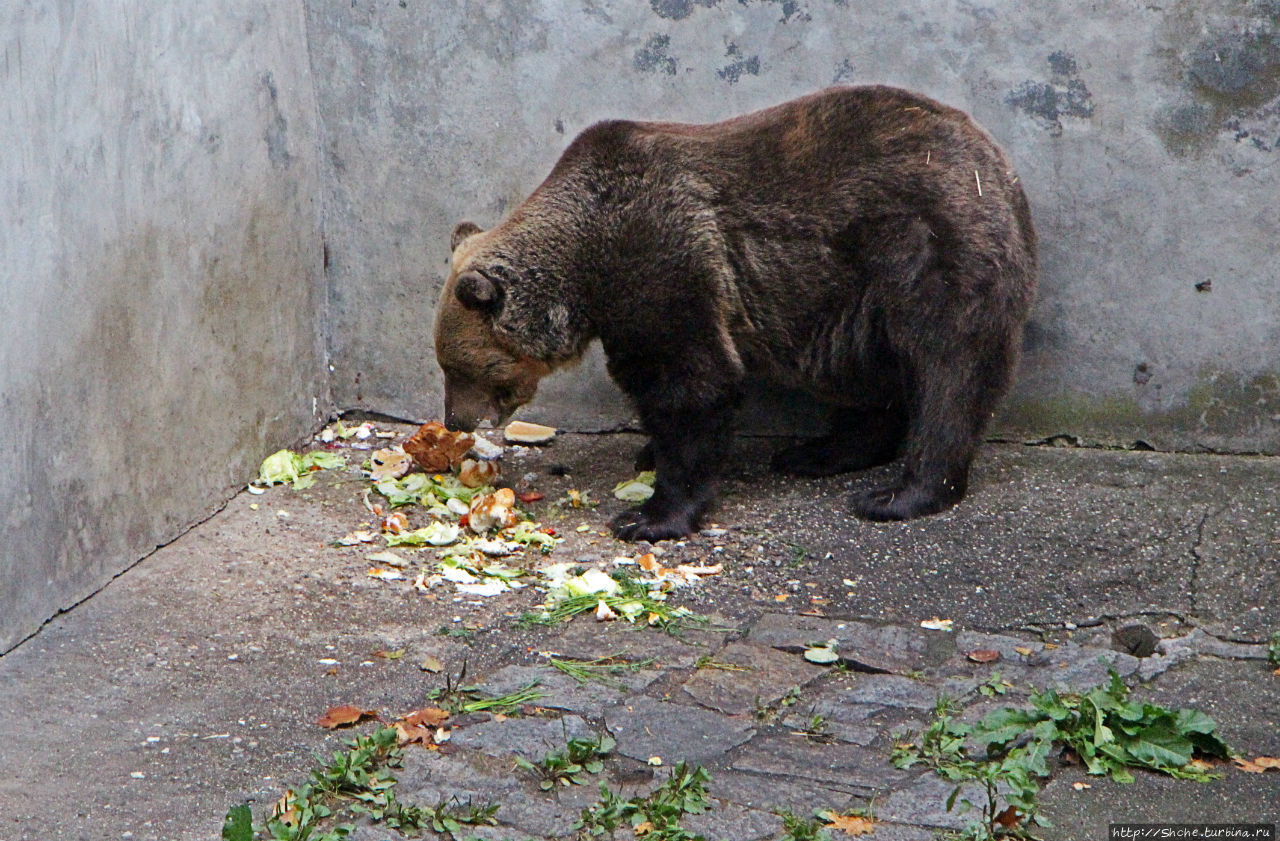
(949, 412)
(859, 441)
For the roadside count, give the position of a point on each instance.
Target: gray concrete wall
(1147, 137)
(160, 278)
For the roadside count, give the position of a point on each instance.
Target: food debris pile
(478, 538)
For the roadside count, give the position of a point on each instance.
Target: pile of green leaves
(1110, 733)
(432, 492)
(632, 600)
(603, 670)
(657, 815)
(296, 469)
(567, 767)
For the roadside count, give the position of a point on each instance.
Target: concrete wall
(1147, 137)
(160, 278)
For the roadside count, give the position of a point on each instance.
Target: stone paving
(742, 703)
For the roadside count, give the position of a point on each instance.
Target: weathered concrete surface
(160, 289)
(1146, 136)
(192, 682)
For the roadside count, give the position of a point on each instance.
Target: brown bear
(866, 243)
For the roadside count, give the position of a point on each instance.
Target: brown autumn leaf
(437, 449)
(1009, 818)
(427, 716)
(286, 809)
(1259, 765)
(384, 654)
(849, 824)
(984, 655)
(408, 735)
(344, 715)
(1024, 650)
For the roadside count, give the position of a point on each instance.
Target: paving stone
(897, 649)
(732, 821)
(1202, 642)
(772, 674)
(562, 692)
(645, 727)
(924, 803)
(586, 639)
(1071, 667)
(850, 768)
(770, 793)
(892, 691)
(855, 734)
(530, 737)
(885, 831)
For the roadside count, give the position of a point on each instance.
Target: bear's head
(485, 376)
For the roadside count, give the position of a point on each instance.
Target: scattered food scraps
(638, 489)
(385, 574)
(355, 538)
(984, 655)
(485, 449)
(936, 624)
(286, 466)
(476, 474)
(490, 511)
(395, 523)
(388, 558)
(437, 449)
(521, 432)
(389, 464)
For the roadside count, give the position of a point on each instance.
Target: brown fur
(836, 242)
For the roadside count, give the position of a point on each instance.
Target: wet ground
(193, 682)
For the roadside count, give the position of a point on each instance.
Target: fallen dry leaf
(426, 717)
(1259, 765)
(286, 810)
(984, 655)
(531, 496)
(1024, 650)
(389, 655)
(436, 449)
(412, 734)
(429, 663)
(1009, 818)
(849, 824)
(344, 715)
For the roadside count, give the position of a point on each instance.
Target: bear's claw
(636, 526)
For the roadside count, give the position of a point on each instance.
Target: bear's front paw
(635, 525)
(900, 502)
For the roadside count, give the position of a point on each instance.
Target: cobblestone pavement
(193, 682)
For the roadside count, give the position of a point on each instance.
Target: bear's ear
(462, 232)
(477, 292)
